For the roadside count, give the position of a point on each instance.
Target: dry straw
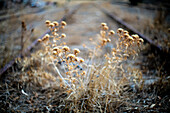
(95, 81)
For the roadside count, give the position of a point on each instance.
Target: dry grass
(97, 79)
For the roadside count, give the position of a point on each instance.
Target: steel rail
(20, 14)
(129, 27)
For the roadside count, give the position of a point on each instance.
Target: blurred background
(150, 17)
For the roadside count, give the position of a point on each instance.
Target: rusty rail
(129, 27)
(12, 62)
(18, 15)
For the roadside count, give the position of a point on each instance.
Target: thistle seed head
(83, 73)
(103, 24)
(76, 51)
(51, 25)
(55, 53)
(111, 32)
(47, 22)
(63, 23)
(130, 38)
(141, 40)
(81, 60)
(126, 35)
(63, 35)
(104, 41)
(125, 32)
(76, 59)
(66, 48)
(71, 56)
(108, 40)
(46, 37)
(56, 49)
(135, 36)
(120, 30)
(39, 40)
(56, 23)
(105, 27)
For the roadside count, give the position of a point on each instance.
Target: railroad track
(155, 48)
(2, 18)
(16, 15)
(129, 27)
(29, 48)
(69, 14)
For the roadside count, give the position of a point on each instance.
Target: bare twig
(23, 29)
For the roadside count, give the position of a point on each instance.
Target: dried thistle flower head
(104, 41)
(83, 73)
(81, 60)
(71, 56)
(39, 40)
(130, 38)
(105, 27)
(55, 53)
(47, 22)
(111, 32)
(63, 23)
(66, 48)
(135, 36)
(63, 35)
(126, 35)
(125, 32)
(46, 37)
(108, 40)
(76, 51)
(103, 24)
(141, 40)
(56, 49)
(120, 30)
(56, 23)
(76, 59)
(51, 25)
